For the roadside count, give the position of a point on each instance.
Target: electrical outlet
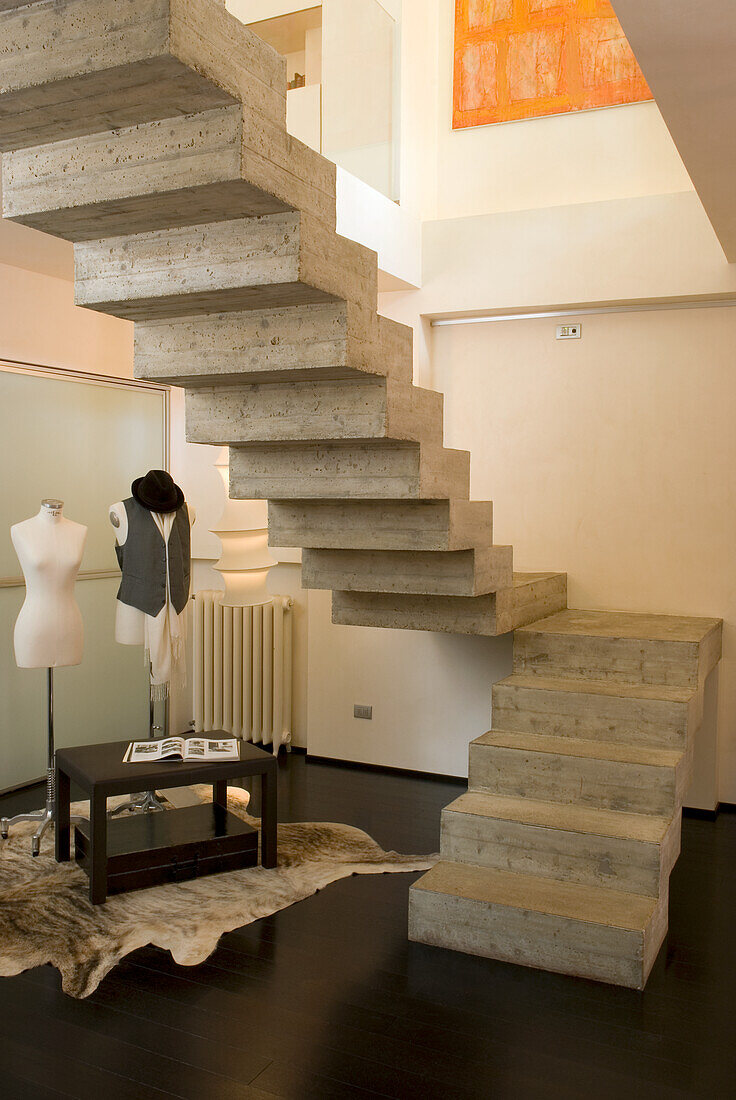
(362, 712)
(569, 332)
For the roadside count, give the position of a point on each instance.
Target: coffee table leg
(98, 855)
(61, 816)
(269, 818)
(219, 793)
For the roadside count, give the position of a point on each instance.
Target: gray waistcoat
(142, 560)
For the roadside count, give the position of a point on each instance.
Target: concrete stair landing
(560, 853)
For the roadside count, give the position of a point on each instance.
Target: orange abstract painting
(518, 59)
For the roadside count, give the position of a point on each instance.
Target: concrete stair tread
(371, 408)
(610, 688)
(273, 261)
(569, 817)
(624, 624)
(529, 597)
(577, 747)
(572, 901)
(441, 525)
(469, 573)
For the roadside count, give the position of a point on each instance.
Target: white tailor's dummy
(49, 631)
(163, 633)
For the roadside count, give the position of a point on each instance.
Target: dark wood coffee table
(100, 772)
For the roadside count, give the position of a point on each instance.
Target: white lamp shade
(245, 559)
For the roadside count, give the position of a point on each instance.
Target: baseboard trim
(709, 815)
(385, 769)
(700, 815)
(23, 786)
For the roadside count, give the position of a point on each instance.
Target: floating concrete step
(637, 714)
(381, 525)
(373, 408)
(531, 596)
(324, 342)
(73, 67)
(431, 572)
(251, 263)
(603, 934)
(602, 774)
(628, 648)
(630, 852)
(373, 471)
(157, 175)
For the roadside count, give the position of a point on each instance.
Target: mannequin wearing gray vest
(130, 617)
(143, 558)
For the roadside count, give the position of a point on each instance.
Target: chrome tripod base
(44, 818)
(146, 803)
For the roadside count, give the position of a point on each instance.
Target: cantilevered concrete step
(629, 648)
(532, 595)
(72, 67)
(271, 262)
(603, 934)
(637, 714)
(157, 175)
(603, 774)
(630, 852)
(453, 573)
(328, 342)
(369, 471)
(373, 408)
(381, 525)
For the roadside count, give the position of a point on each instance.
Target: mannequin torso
(129, 621)
(49, 631)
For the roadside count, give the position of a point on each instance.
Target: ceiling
(686, 51)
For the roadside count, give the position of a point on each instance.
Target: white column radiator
(243, 668)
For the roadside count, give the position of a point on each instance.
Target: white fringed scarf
(165, 634)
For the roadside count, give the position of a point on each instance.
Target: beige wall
(613, 458)
(40, 324)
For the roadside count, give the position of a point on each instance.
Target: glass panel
(82, 441)
(103, 699)
(360, 91)
(79, 441)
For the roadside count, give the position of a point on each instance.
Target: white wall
(612, 458)
(430, 693)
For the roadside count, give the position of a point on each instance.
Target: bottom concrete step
(532, 596)
(586, 931)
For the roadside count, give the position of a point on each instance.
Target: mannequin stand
(148, 801)
(44, 817)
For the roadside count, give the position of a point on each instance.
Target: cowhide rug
(46, 915)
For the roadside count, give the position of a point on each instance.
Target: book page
(195, 748)
(225, 749)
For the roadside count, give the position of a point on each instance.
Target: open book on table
(182, 748)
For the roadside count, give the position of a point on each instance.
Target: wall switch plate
(569, 332)
(362, 712)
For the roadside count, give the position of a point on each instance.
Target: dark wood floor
(328, 999)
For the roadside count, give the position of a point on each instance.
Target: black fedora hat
(157, 491)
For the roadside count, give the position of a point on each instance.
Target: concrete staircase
(559, 855)
(152, 134)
